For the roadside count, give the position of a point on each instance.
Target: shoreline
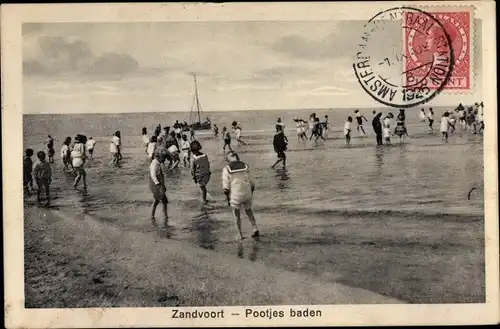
(117, 277)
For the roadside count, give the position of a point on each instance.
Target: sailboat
(196, 111)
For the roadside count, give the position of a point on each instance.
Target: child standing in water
(238, 188)
(347, 130)
(66, 153)
(27, 170)
(227, 139)
(326, 127)
(471, 121)
(216, 131)
(359, 119)
(79, 157)
(280, 146)
(387, 128)
(90, 147)
(480, 118)
(185, 151)
(151, 148)
(400, 126)
(115, 148)
(237, 129)
(445, 126)
(50, 149)
(422, 115)
(200, 169)
(191, 132)
(430, 117)
(43, 177)
(319, 129)
(157, 185)
(145, 138)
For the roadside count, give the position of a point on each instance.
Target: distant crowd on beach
(170, 146)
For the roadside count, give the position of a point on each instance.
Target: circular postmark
(404, 58)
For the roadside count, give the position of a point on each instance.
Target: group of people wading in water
(167, 148)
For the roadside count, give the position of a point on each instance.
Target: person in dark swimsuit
(359, 120)
(50, 149)
(400, 126)
(280, 146)
(377, 128)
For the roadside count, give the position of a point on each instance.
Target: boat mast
(196, 98)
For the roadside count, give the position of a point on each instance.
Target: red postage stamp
(420, 48)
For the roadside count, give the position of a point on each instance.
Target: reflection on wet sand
(252, 249)
(204, 227)
(282, 178)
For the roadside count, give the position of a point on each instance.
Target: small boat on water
(196, 112)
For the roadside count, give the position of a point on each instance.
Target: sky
(145, 67)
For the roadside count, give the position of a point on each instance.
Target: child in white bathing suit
(387, 129)
(151, 148)
(145, 139)
(445, 126)
(185, 151)
(347, 130)
(90, 147)
(422, 115)
(238, 188)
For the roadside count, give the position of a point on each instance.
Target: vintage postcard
(250, 164)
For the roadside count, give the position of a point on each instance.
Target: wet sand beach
(372, 224)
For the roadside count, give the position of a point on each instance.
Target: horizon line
(240, 110)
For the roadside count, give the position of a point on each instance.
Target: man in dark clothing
(280, 146)
(377, 127)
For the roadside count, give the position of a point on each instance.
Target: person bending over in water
(347, 130)
(359, 119)
(43, 177)
(238, 188)
(157, 185)
(280, 146)
(301, 129)
(200, 169)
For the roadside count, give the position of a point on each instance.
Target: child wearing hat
(238, 188)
